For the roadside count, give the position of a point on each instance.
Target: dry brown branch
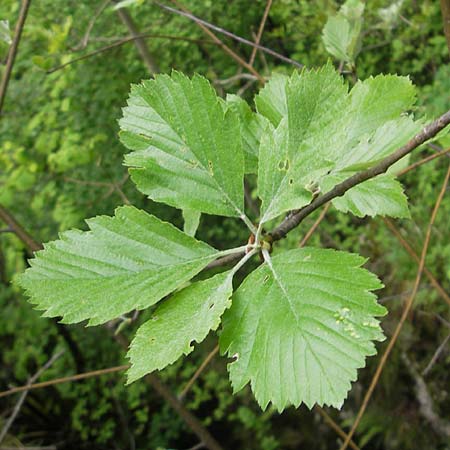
(260, 31)
(334, 426)
(198, 372)
(435, 356)
(19, 403)
(423, 161)
(406, 310)
(77, 377)
(13, 51)
(416, 258)
(314, 226)
(445, 8)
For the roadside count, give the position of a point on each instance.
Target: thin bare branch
(126, 41)
(260, 31)
(293, 220)
(403, 317)
(423, 161)
(436, 356)
(416, 258)
(445, 8)
(20, 232)
(13, 51)
(198, 372)
(77, 377)
(314, 226)
(334, 426)
(22, 397)
(204, 26)
(232, 36)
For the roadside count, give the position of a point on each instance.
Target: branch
(340, 189)
(20, 232)
(403, 317)
(260, 31)
(13, 51)
(141, 46)
(19, 403)
(125, 41)
(445, 8)
(231, 35)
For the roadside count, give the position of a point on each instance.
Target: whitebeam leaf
(382, 195)
(187, 149)
(329, 131)
(129, 261)
(187, 316)
(252, 127)
(300, 327)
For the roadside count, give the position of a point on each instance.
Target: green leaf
(191, 221)
(185, 317)
(271, 99)
(252, 127)
(382, 195)
(129, 261)
(187, 150)
(341, 33)
(329, 131)
(293, 157)
(300, 327)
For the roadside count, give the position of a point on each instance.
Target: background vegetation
(61, 162)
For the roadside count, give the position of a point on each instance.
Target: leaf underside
(299, 330)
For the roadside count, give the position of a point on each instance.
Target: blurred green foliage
(61, 161)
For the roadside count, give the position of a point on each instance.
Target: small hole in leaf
(291, 181)
(211, 306)
(211, 167)
(266, 279)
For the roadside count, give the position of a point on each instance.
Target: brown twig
(19, 403)
(77, 377)
(423, 161)
(139, 42)
(206, 29)
(435, 356)
(260, 31)
(232, 36)
(340, 189)
(416, 258)
(403, 317)
(198, 372)
(445, 9)
(314, 226)
(20, 232)
(334, 426)
(13, 51)
(125, 41)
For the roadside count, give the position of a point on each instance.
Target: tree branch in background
(13, 51)
(242, 40)
(445, 8)
(260, 31)
(403, 317)
(204, 26)
(125, 41)
(423, 161)
(141, 46)
(293, 220)
(19, 403)
(416, 258)
(19, 231)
